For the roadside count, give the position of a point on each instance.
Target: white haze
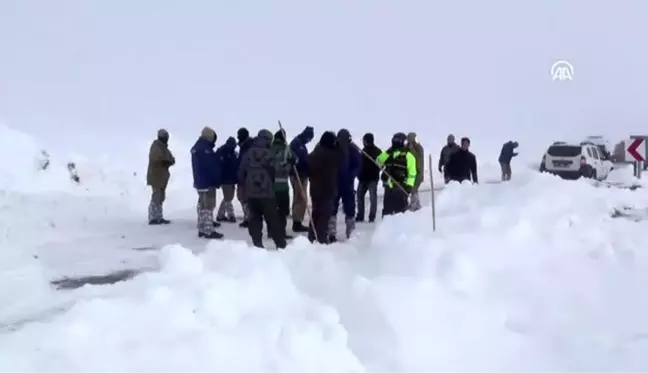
(111, 70)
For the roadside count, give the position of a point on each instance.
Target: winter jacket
(228, 159)
(446, 153)
(408, 165)
(368, 169)
(462, 166)
(160, 159)
(324, 163)
(284, 162)
(205, 165)
(350, 162)
(299, 149)
(257, 169)
(417, 151)
(508, 152)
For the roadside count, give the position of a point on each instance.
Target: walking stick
(301, 190)
(432, 193)
(398, 185)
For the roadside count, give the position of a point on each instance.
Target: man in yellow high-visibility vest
(399, 175)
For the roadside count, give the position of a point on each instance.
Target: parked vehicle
(602, 144)
(571, 161)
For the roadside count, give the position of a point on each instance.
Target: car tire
(588, 172)
(593, 175)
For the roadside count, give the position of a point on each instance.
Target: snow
(534, 274)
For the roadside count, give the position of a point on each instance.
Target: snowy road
(513, 266)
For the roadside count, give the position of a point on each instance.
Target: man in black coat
(462, 164)
(323, 168)
(507, 153)
(368, 178)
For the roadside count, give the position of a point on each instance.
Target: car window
(564, 151)
(603, 152)
(589, 152)
(595, 153)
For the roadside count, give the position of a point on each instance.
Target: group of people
(458, 163)
(265, 167)
(261, 172)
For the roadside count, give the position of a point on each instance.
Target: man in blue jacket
(348, 171)
(299, 182)
(228, 159)
(206, 173)
(244, 143)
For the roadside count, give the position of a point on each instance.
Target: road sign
(636, 149)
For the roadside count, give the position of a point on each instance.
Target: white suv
(575, 161)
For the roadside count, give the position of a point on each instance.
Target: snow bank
(529, 275)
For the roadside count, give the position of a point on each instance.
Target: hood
(307, 134)
(208, 134)
(279, 138)
(411, 138)
(368, 139)
(451, 139)
(242, 134)
(230, 144)
(263, 139)
(344, 138)
(515, 144)
(328, 140)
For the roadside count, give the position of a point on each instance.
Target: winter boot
(332, 238)
(350, 226)
(298, 227)
(244, 224)
(216, 224)
(221, 219)
(231, 219)
(212, 236)
(206, 225)
(258, 244)
(360, 219)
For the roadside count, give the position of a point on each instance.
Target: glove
(408, 188)
(441, 169)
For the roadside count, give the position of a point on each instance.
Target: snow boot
(159, 221)
(360, 219)
(372, 219)
(221, 219)
(350, 226)
(216, 224)
(243, 224)
(231, 219)
(212, 236)
(332, 239)
(298, 227)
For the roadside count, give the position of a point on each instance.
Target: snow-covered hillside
(530, 275)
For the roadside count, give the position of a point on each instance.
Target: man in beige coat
(417, 151)
(157, 176)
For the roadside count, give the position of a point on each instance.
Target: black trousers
(283, 206)
(321, 212)
(395, 201)
(260, 209)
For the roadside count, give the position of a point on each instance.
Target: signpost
(636, 150)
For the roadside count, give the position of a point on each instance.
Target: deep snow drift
(534, 274)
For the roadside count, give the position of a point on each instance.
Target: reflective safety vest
(396, 167)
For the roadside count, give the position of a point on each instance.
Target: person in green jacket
(284, 167)
(399, 175)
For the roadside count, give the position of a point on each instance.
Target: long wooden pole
(432, 192)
